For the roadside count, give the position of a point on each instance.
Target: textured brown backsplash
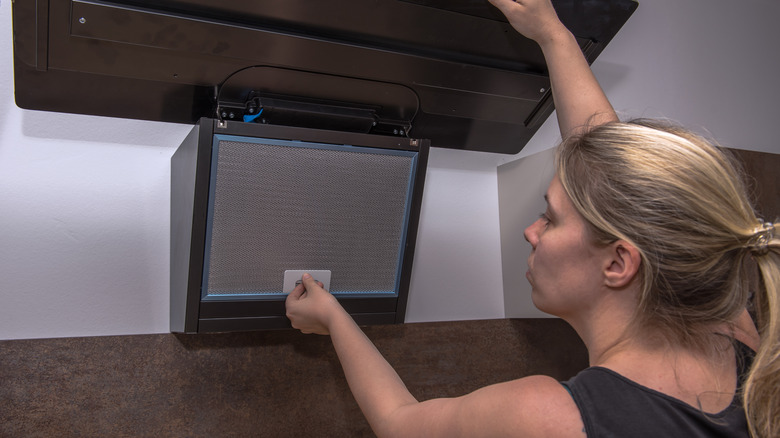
(270, 384)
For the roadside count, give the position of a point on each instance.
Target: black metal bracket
(301, 112)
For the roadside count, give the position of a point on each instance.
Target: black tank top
(614, 406)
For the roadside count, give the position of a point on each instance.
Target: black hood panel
(451, 71)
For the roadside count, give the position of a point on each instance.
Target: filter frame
(191, 194)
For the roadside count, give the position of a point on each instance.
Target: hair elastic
(762, 235)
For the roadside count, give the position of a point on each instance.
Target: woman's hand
(580, 103)
(535, 19)
(310, 308)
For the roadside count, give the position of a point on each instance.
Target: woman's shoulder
(540, 405)
(534, 406)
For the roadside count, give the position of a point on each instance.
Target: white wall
(84, 200)
(457, 265)
(521, 186)
(712, 65)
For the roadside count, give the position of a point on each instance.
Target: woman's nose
(531, 233)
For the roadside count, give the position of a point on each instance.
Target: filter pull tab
(292, 278)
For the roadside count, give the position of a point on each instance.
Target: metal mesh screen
(279, 207)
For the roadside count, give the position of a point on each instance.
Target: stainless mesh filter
(278, 207)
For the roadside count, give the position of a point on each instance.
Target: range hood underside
(450, 71)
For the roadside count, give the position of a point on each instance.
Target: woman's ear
(622, 264)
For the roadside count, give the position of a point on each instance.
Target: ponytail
(762, 388)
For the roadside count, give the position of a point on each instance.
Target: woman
(643, 250)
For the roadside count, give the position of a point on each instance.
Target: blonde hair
(681, 201)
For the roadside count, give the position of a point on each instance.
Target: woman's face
(564, 268)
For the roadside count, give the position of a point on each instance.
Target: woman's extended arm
(376, 386)
(533, 406)
(579, 99)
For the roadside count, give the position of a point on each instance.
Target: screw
(82, 20)
(232, 116)
(542, 90)
(224, 114)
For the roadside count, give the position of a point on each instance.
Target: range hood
(452, 71)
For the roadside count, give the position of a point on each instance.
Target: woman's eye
(545, 218)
